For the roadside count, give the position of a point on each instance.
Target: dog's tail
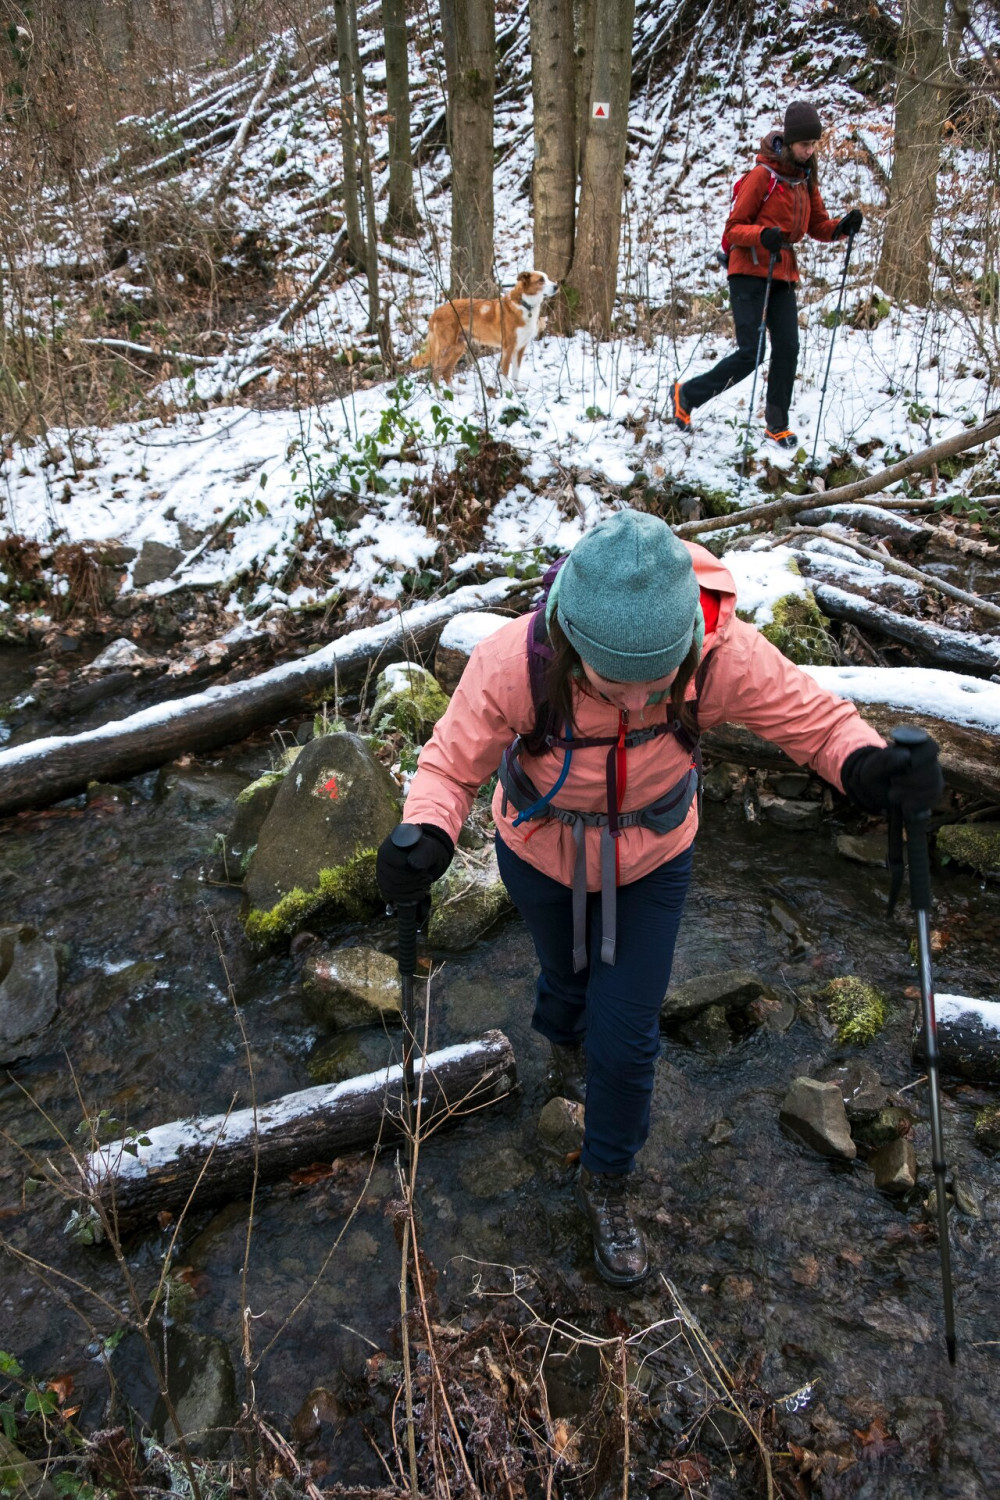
(420, 360)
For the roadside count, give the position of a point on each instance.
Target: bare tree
(467, 27)
(904, 269)
(402, 211)
(348, 133)
(553, 96)
(364, 153)
(593, 278)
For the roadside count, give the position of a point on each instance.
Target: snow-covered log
(938, 645)
(212, 1159)
(235, 151)
(144, 351)
(968, 1037)
(45, 770)
(872, 519)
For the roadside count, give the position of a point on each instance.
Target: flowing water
(805, 1275)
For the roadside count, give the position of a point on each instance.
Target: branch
(246, 125)
(143, 351)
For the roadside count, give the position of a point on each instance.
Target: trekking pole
(829, 357)
(922, 748)
(760, 354)
(404, 836)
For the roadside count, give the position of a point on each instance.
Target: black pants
(747, 295)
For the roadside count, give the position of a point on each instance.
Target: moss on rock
(858, 1010)
(410, 699)
(974, 844)
(988, 1128)
(799, 630)
(350, 887)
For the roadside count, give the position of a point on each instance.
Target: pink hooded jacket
(749, 683)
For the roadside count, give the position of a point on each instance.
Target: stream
(806, 1276)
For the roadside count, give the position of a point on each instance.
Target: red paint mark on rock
(330, 787)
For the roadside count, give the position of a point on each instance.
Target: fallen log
(205, 1161)
(968, 1038)
(938, 645)
(873, 519)
(235, 151)
(45, 770)
(789, 505)
(970, 751)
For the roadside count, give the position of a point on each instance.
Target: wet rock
(813, 1112)
(863, 848)
(252, 807)
(487, 1174)
(560, 1126)
(897, 1321)
(29, 991)
(317, 844)
(122, 655)
(458, 640)
(861, 1088)
(988, 1128)
(194, 790)
(857, 1009)
(890, 1122)
(974, 844)
(155, 562)
(719, 783)
(786, 813)
(967, 1199)
(467, 900)
(799, 936)
(320, 1408)
(351, 1054)
(895, 1166)
(709, 1029)
(200, 1382)
(968, 1037)
(20, 1476)
(775, 1013)
(793, 784)
(720, 1132)
(351, 987)
(105, 794)
(734, 989)
(408, 698)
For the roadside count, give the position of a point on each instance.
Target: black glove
(772, 239)
(879, 777)
(406, 875)
(849, 224)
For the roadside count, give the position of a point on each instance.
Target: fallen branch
(246, 125)
(143, 351)
(789, 505)
(316, 280)
(893, 565)
(938, 645)
(221, 1157)
(42, 771)
(873, 519)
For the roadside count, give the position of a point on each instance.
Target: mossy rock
(988, 1128)
(974, 844)
(410, 699)
(799, 631)
(845, 473)
(858, 1010)
(350, 888)
(466, 901)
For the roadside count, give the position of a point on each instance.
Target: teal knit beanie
(627, 598)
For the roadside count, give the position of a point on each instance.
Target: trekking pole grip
(405, 836)
(922, 749)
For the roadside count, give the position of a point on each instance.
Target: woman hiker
(637, 647)
(776, 204)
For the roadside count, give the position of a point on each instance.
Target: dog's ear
(525, 277)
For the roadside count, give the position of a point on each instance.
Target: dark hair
(564, 670)
(790, 167)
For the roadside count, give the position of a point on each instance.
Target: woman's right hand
(772, 239)
(405, 876)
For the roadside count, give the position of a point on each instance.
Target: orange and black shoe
(682, 417)
(783, 438)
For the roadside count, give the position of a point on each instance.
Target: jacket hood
(712, 575)
(769, 155)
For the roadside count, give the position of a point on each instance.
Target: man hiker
(592, 707)
(774, 206)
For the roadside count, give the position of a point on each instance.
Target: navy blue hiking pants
(747, 297)
(613, 1009)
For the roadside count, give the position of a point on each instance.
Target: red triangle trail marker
(601, 111)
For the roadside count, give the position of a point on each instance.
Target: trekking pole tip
(950, 1341)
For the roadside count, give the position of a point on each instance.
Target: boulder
(409, 699)
(200, 1382)
(813, 1112)
(457, 641)
(253, 804)
(788, 813)
(122, 655)
(988, 1128)
(862, 1090)
(560, 1126)
(734, 989)
(794, 784)
(863, 848)
(351, 987)
(317, 844)
(29, 991)
(720, 782)
(895, 1166)
(351, 1054)
(467, 900)
(891, 1122)
(709, 1030)
(155, 562)
(775, 1013)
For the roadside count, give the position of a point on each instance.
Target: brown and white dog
(508, 323)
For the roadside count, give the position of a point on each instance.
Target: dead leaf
(315, 1172)
(683, 1472)
(876, 1439)
(63, 1387)
(164, 1218)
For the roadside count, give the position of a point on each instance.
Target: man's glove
(406, 875)
(849, 224)
(772, 239)
(877, 778)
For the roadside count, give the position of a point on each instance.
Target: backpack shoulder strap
(540, 655)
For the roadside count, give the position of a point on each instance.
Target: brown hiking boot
(619, 1248)
(569, 1072)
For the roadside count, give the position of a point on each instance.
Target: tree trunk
(904, 269)
(468, 30)
(593, 279)
(364, 154)
(584, 14)
(348, 134)
(402, 213)
(553, 96)
(218, 1158)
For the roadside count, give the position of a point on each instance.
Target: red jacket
(790, 203)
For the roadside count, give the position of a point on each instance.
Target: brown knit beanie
(802, 123)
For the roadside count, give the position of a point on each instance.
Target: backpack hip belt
(660, 816)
